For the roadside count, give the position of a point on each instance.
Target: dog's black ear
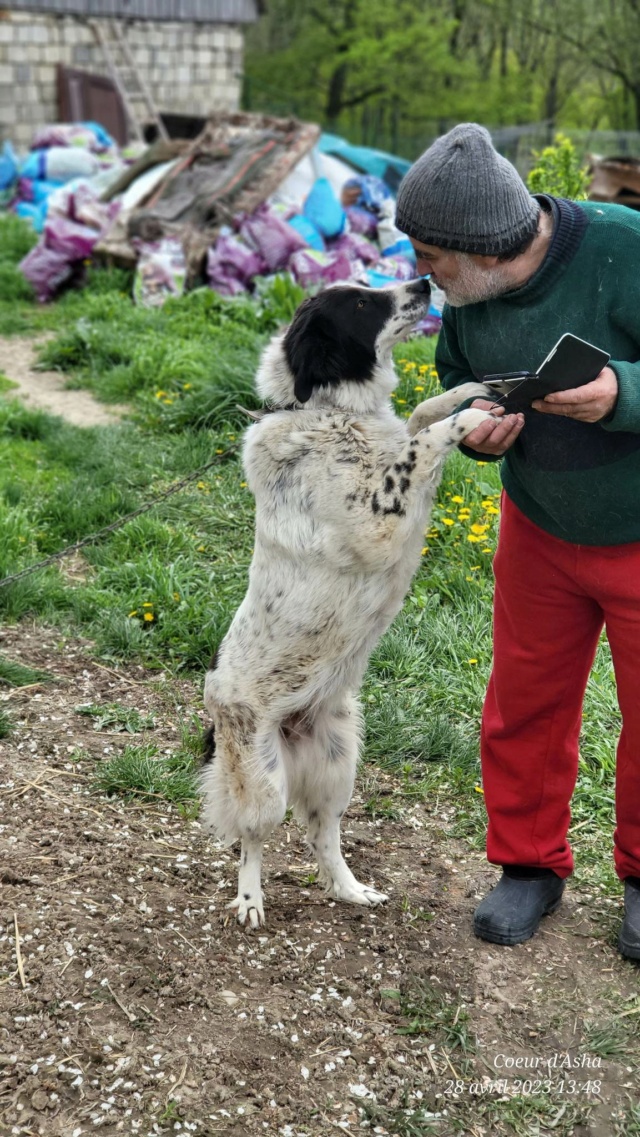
(312, 351)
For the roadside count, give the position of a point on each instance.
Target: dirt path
(146, 1010)
(46, 389)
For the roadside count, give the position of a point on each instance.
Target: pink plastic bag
(271, 237)
(231, 265)
(356, 247)
(75, 241)
(361, 221)
(45, 269)
(312, 267)
(398, 267)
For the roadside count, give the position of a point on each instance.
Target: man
(518, 272)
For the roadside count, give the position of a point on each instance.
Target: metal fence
(199, 11)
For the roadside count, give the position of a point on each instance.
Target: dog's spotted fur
(343, 493)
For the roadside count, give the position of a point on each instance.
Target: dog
(343, 490)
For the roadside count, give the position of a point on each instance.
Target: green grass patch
(18, 675)
(115, 717)
(143, 772)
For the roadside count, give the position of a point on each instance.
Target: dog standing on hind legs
(343, 490)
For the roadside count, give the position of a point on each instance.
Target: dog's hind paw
(356, 893)
(251, 906)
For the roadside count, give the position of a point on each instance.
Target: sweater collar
(569, 226)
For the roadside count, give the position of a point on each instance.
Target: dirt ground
(46, 389)
(145, 1009)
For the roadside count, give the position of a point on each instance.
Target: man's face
(465, 278)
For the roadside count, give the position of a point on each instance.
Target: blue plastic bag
(323, 209)
(36, 214)
(307, 230)
(8, 166)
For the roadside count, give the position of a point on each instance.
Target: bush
(558, 171)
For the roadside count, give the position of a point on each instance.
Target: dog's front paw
(356, 893)
(247, 905)
(466, 421)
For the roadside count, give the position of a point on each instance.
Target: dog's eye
(361, 303)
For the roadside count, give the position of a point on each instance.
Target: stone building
(188, 52)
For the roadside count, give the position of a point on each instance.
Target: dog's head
(337, 350)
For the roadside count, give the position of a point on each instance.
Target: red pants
(551, 601)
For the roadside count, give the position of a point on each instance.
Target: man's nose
(423, 265)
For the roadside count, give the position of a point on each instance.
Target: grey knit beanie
(461, 194)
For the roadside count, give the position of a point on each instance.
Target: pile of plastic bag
(320, 229)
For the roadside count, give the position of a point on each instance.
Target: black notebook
(571, 363)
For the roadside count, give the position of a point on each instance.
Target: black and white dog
(343, 491)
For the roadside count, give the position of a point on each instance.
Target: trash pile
(250, 197)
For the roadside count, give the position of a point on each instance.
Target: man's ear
(312, 352)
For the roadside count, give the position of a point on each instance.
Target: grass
(162, 590)
(115, 717)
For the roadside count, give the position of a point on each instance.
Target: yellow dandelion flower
(148, 604)
(403, 401)
(232, 438)
(160, 394)
(468, 479)
(134, 613)
(472, 539)
(474, 568)
(219, 451)
(176, 596)
(479, 529)
(478, 789)
(149, 616)
(447, 521)
(243, 485)
(201, 485)
(457, 499)
(481, 463)
(418, 388)
(491, 509)
(167, 402)
(187, 386)
(425, 550)
(472, 661)
(469, 578)
(201, 548)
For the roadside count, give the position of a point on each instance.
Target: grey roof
(203, 11)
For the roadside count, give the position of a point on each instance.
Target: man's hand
(494, 437)
(589, 403)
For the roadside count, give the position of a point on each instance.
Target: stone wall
(190, 68)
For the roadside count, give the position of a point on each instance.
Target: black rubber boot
(629, 938)
(511, 913)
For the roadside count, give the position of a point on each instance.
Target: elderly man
(518, 272)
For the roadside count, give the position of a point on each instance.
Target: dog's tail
(209, 745)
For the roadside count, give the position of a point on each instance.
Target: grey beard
(473, 284)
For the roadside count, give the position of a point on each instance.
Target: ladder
(134, 92)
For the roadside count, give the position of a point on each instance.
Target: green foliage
(558, 171)
(142, 772)
(16, 239)
(17, 675)
(5, 724)
(115, 717)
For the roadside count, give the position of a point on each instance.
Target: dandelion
(403, 401)
(134, 613)
(176, 596)
(472, 661)
(491, 509)
(160, 394)
(201, 548)
(187, 386)
(478, 789)
(148, 604)
(418, 388)
(479, 529)
(457, 500)
(149, 616)
(474, 540)
(448, 521)
(202, 485)
(425, 550)
(219, 451)
(243, 485)
(481, 463)
(232, 438)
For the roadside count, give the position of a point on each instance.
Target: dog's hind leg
(245, 796)
(324, 793)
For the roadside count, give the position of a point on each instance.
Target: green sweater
(578, 481)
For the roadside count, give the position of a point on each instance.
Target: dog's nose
(420, 285)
